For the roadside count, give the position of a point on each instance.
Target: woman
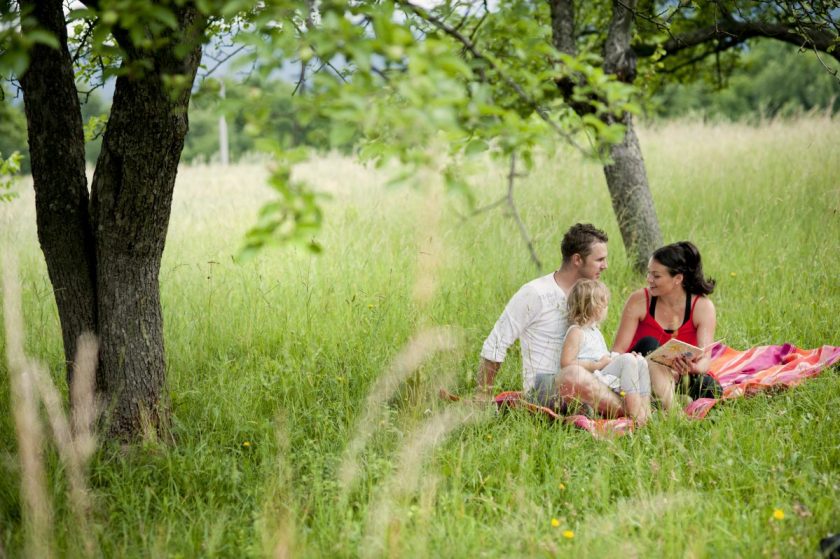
(673, 305)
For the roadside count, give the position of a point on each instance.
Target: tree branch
(222, 60)
(739, 31)
(483, 209)
(515, 212)
(478, 55)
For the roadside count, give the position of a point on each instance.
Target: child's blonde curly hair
(585, 300)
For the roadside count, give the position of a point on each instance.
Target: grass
(281, 353)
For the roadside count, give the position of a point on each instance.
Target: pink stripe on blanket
(744, 373)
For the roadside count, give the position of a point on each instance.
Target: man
(536, 316)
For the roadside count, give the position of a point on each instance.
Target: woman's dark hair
(684, 258)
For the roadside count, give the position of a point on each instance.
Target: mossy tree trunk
(103, 251)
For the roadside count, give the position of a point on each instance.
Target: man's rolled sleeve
(518, 314)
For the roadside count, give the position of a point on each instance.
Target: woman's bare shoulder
(637, 298)
(704, 305)
(636, 304)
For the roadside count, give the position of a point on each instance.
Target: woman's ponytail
(684, 258)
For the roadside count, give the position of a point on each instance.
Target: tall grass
(273, 364)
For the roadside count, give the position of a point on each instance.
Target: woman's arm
(633, 313)
(705, 320)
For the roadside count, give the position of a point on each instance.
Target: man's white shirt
(536, 315)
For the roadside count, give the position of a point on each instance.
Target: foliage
(771, 79)
(406, 86)
(275, 117)
(13, 129)
(394, 78)
(295, 217)
(9, 167)
(289, 348)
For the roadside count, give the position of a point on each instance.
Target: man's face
(595, 263)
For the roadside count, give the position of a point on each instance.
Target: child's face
(601, 313)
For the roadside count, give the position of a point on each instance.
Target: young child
(626, 373)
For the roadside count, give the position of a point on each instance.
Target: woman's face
(660, 281)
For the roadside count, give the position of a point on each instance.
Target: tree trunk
(57, 154)
(563, 25)
(631, 198)
(626, 176)
(131, 200)
(117, 242)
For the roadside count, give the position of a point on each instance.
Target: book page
(672, 349)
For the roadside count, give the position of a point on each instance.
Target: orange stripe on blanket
(762, 368)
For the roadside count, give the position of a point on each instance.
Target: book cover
(673, 348)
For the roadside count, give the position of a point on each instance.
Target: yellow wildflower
(778, 514)
(561, 486)
(246, 444)
(555, 523)
(568, 534)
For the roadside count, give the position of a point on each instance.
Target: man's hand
(486, 374)
(484, 394)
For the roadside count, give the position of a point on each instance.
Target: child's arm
(571, 348)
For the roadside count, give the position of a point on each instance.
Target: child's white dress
(633, 368)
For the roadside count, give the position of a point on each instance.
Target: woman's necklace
(673, 315)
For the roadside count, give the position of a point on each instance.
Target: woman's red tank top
(687, 332)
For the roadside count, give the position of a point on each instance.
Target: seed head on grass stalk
(430, 249)
(73, 455)
(37, 516)
(383, 524)
(276, 522)
(84, 408)
(419, 349)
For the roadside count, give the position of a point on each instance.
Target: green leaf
(43, 38)
(14, 62)
(476, 146)
(163, 15)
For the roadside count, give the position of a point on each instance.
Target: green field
(271, 363)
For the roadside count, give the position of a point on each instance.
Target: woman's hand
(685, 366)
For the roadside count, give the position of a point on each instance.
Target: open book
(673, 348)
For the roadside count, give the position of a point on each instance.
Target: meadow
(303, 388)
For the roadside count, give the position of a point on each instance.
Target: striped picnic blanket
(740, 373)
(744, 373)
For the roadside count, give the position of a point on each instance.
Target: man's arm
(519, 313)
(486, 375)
